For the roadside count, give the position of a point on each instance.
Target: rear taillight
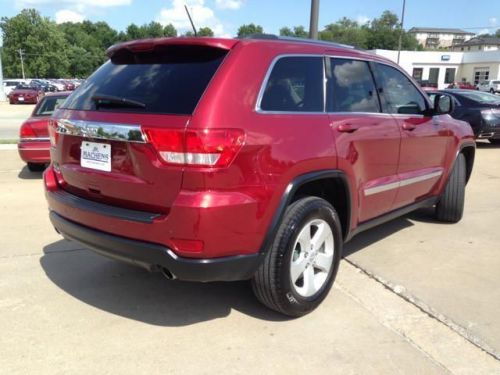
(197, 147)
(27, 131)
(53, 135)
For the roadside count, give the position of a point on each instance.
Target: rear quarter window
(169, 80)
(294, 85)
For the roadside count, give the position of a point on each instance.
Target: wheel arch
(331, 185)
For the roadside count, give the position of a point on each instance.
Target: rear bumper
(154, 257)
(34, 151)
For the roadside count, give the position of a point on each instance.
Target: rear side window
(295, 85)
(49, 104)
(350, 87)
(400, 94)
(169, 79)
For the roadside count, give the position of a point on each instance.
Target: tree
(205, 31)
(346, 31)
(297, 32)
(249, 29)
(42, 42)
(169, 30)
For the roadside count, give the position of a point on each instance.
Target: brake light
(27, 131)
(53, 135)
(197, 147)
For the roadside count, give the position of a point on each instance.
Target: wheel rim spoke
(309, 287)
(320, 236)
(297, 269)
(323, 262)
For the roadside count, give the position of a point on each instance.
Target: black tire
(450, 207)
(36, 167)
(494, 141)
(272, 282)
(492, 91)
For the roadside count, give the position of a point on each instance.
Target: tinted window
(400, 94)
(351, 87)
(49, 104)
(168, 80)
(295, 85)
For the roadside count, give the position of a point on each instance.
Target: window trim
(263, 86)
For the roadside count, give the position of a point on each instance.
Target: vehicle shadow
(486, 144)
(147, 297)
(26, 174)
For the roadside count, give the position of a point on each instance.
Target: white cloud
(203, 16)
(362, 19)
(229, 4)
(483, 31)
(90, 3)
(66, 15)
(493, 21)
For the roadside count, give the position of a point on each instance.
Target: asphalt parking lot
(412, 296)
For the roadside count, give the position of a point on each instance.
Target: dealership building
(443, 67)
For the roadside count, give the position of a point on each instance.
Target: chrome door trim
(35, 139)
(401, 183)
(101, 130)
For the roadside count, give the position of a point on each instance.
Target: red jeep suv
(219, 159)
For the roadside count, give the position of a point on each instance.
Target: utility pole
(313, 24)
(401, 29)
(22, 61)
(2, 92)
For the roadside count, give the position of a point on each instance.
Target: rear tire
(450, 207)
(296, 275)
(36, 167)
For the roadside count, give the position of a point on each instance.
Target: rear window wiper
(115, 101)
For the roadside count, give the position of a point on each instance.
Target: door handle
(409, 126)
(347, 128)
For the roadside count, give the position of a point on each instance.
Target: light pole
(22, 61)
(313, 24)
(401, 29)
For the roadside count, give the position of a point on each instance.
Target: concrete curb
(6, 147)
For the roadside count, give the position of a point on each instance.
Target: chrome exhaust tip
(169, 275)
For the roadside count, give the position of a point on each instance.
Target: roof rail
(297, 40)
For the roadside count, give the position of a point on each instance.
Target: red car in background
(25, 94)
(462, 86)
(34, 142)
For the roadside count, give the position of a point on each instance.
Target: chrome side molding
(101, 130)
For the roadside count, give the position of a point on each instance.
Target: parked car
(9, 85)
(249, 159)
(480, 109)
(34, 143)
(490, 86)
(59, 85)
(27, 94)
(425, 84)
(462, 86)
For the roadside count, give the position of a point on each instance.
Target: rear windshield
(170, 80)
(49, 104)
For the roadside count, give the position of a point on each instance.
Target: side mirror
(443, 104)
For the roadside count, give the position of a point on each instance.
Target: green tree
(297, 32)
(205, 31)
(346, 31)
(41, 41)
(249, 29)
(169, 30)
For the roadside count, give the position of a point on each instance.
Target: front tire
(450, 207)
(300, 267)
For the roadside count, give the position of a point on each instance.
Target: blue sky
(224, 16)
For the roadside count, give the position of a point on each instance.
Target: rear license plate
(96, 156)
(21, 99)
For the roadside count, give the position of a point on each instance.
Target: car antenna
(190, 20)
